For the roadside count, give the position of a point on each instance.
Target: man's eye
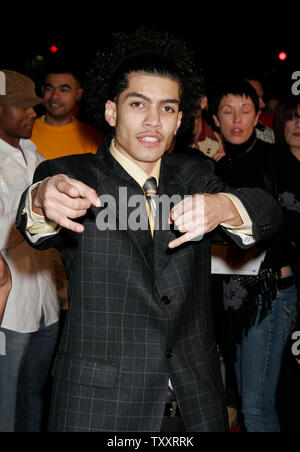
(137, 104)
(168, 109)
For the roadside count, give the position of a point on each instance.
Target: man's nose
(54, 93)
(31, 113)
(152, 118)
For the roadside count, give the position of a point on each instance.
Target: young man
(5, 285)
(58, 133)
(28, 333)
(138, 342)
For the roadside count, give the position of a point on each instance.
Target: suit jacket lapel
(121, 186)
(164, 233)
(155, 250)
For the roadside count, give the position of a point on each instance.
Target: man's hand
(5, 285)
(61, 199)
(199, 214)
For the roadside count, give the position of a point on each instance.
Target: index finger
(77, 189)
(187, 237)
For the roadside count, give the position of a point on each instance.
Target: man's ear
(179, 120)
(216, 121)
(256, 119)
(111, 113)
(203, 103)
(79, 94)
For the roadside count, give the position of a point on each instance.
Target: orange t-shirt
(74, 138)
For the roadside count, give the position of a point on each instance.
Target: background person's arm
(5, 285)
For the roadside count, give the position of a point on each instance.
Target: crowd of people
(134, 330)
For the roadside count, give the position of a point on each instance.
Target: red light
(282, 56)
(53, 49)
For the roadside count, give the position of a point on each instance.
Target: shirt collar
(132, 169)
(25, 144)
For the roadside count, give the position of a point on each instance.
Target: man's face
(61, 91)
(16, 123)
(236, 118)
(146, 118)
(259, 91)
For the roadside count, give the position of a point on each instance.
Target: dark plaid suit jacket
(139, 312)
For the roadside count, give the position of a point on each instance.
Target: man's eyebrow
(231, 105)
(65, 85)
(147, 99)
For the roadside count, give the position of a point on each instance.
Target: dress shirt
(244, 231)
(33, 280)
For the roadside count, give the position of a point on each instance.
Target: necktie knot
(150, 187)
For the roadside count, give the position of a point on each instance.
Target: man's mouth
(54, 105)
(149, 140)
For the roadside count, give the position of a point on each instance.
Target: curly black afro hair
(102, 84)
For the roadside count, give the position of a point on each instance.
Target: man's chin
(56, 114)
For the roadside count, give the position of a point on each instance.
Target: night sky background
(228, 38)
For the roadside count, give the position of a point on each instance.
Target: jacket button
(165, 300)
(170, 353)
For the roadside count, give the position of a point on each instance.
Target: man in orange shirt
(58, 133)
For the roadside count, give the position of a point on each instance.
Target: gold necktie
(150, 190)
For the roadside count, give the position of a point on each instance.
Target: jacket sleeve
(262, 208)
(264, 211)
(59, 240)
(43, 243)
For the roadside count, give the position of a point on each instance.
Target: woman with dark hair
(286, 124)
(287, 132)
(259, 308)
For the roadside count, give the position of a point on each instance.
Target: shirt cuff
(245, 231)
(38, 225)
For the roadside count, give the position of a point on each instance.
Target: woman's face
(292, 129)
(236, 118)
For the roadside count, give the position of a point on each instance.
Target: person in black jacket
(259, 309)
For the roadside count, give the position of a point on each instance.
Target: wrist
(36, 199)
(230, 214)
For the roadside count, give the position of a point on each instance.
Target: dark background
(228, 38)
